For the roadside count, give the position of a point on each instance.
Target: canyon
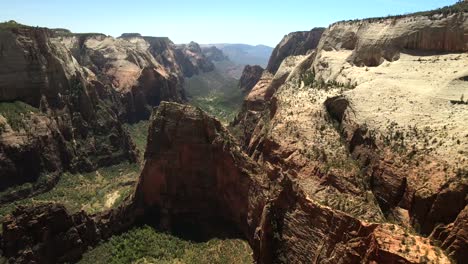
(350, 145)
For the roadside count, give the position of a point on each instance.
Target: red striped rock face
(196, 175)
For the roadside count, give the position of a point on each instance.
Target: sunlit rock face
(195, 175)
(372, 42)
(250, 76)
(368, 117)
(81, 87)
(295, 43)
(56, 116)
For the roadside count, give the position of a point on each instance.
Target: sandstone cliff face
(454, 236)
(361, 135)
(392, 146)
(70, 124)
(296, 43)
(195, 176)
(81, 86)
(374, 42)
(144, 70)
(49, 234)
(255, 103)
(250, 76)
(193, 60)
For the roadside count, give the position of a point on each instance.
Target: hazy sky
(204, 21)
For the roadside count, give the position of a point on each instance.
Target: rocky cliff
(295, 43)
(64, 96)
(385, 138)
(145, 70)
(197, 182)
(352, 151)
(213, 187)
(49, 234)
(66, 121)
(194, 60)
(250, 76)
(373, 42)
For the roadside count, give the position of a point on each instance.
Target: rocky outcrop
(374, 42)
(295, 43)
(41, 146)
(255, 103)
(260, 103)
(143, 70)
(81, 87)
(68, 120)
(193, 60)
(214, 54)
(428, 209)
(196, 176)
(454, 236)
(392, 163)
(49, 234)
(197, 182)
(390, 184)
(250, 76)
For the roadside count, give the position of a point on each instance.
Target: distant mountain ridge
(244, 54)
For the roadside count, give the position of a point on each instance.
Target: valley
(345, 144)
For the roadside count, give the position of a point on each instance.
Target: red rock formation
(250, 76)
(193, 60)
(295, 43)
(454, 237)
(195, 175)
(255, 103)
(49, 234)
(196, 178)
(70, 125)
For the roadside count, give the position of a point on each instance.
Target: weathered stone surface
(454, 237)
(374, 42)
(193, 60)
(295, 43)
(48, 233)
(71, 125)
(250, 76)
(252, 108)
(195, 175)
(144, 70)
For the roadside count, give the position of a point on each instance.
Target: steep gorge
(349, 151)
(65, 96)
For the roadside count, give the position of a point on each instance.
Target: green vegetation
(92, 192)
(146, 245)
(139, 133)
(15, 113)
(215, 93)
(8, 25)
(459, 7)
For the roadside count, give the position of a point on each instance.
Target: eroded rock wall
(372, 42)
(295, 43)
(67, 123)
(195, 175)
